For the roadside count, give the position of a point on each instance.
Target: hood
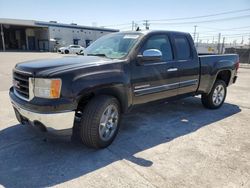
(49, 66)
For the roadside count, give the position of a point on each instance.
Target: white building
(45, 36)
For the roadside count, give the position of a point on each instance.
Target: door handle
(172, 70)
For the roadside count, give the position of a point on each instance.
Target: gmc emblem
(16, 84)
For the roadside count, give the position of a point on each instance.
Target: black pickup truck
(116, 73)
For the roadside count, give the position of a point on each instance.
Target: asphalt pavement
(175, 144)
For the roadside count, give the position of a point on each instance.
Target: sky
(120, 14)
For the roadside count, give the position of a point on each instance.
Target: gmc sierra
(117, 72)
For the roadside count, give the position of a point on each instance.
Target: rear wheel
(100, 122)
(216, 97)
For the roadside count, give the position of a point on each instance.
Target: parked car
(87, 95)
(71, 49)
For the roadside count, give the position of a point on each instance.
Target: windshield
(113, 46)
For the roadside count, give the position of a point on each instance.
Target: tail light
(237, 65)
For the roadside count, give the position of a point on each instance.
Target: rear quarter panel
(212, 65)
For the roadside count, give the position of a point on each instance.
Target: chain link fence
(244, 54)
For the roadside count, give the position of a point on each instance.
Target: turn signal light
(55, 88)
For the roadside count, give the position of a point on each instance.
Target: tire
(66, 51)
(216, 97)
(99, 124)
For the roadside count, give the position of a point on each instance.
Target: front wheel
(100, 122)
(216, 97)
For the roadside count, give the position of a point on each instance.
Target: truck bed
(211, 63)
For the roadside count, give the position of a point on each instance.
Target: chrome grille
(21, 83)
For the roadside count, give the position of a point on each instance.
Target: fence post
(2, 34)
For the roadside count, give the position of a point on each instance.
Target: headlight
(47, 88)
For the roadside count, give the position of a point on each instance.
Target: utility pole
(242, 40)
(223, 45)
(2, 34)
(133, 25)
(194, 31)
(146, 24)
(218, 46)
(197, 43)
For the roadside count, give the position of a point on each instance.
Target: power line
(216, 29)
(204, 21)
(204, 16)
(228, 37)
(235, 34)
(225, 31)
(234, 29)
(188, 18)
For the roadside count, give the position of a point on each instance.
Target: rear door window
(182, 48)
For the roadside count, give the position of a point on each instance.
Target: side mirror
(150, 55)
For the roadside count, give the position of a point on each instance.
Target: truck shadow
(26, 160)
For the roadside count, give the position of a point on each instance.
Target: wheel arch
(118, 92)
(224, 75)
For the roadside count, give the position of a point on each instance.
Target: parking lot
(175, 144)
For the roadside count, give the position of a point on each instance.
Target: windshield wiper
(102, 55)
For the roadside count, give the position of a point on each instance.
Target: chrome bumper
(49, 121)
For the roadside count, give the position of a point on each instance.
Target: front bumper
(52, 122)
(57, 122)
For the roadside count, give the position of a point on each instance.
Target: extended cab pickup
(86, 95)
